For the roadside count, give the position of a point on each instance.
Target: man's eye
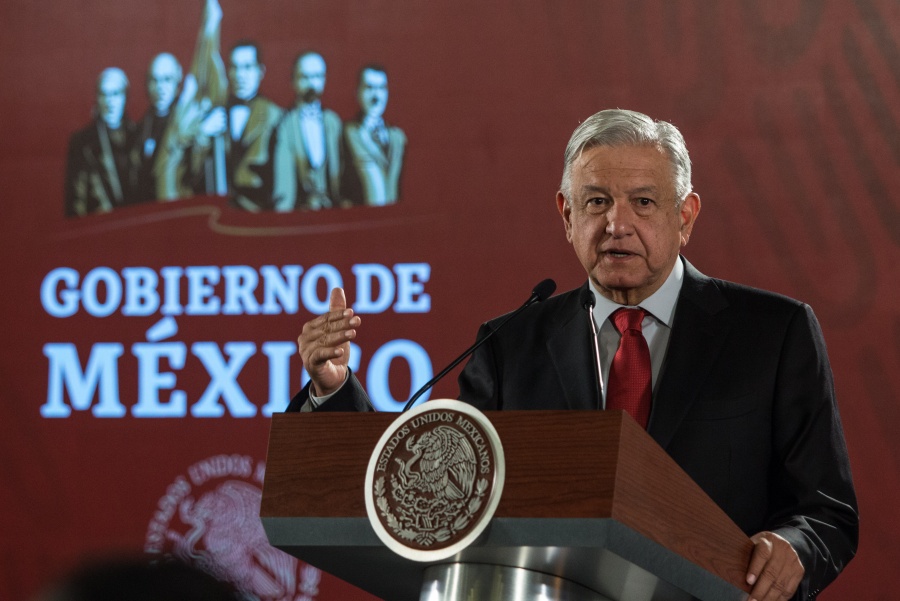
(644, 205)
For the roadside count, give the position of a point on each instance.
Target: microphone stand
(588, 301)
(540, 292)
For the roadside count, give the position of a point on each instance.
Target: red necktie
(629, 375)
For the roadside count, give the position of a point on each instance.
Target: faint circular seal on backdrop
(209, 518)
(434, 480)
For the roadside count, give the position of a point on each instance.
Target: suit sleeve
(76, 179)
(351, 397)
(479, 384)
(811, 497)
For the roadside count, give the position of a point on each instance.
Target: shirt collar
(371, 122)
(311, 109)
(235, 101)
(660, 304)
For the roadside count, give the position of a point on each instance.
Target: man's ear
(565, 211)
(688, 212)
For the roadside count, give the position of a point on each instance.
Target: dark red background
(791, 110)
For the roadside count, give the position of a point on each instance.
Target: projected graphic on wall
(210, 132)
(231, 162)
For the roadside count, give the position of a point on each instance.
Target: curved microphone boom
(539, 293)
(588, 301)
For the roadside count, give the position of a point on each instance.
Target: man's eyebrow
(643, 190)
(651, 189)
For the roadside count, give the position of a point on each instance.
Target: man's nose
(619, 219)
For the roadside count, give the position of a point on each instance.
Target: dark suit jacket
(296, 182)
(144, 150)
(98, 170)
(744, 403)
(372, 174)
(250, 164)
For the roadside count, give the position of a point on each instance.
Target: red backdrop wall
(791, 111)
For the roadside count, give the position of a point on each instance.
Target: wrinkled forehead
(592, 143)
(650, 150)
(630, 161)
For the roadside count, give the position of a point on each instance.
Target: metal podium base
(484, 582)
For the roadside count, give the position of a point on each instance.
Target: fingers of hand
(774, 568)
(323, 337)
(332, 320)
(762, 551)
(337, 301)
(321, 356)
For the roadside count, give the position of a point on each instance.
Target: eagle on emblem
(446, 464)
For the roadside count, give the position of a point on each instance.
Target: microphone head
(586, 298)
(543, 290)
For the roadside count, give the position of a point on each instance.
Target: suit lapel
(295, 131)
(107, 159)
(256, 122)
(569, 346)
(333, 134)
(373, 148)
(700, 328)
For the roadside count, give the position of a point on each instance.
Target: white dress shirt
(312, 128)
(656, 326)
(238, 117)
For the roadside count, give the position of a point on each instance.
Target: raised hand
(324, 344)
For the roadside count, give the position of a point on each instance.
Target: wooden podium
(589, 498)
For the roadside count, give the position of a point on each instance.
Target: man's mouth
(618, 254)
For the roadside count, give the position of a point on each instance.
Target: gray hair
(619, 127)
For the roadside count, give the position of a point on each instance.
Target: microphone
(587, 302)
(540, 292)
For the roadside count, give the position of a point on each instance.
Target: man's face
(623, 220)
(245, 73)
(309, 78)
(111, 100)
(373, 92)
(162, 83)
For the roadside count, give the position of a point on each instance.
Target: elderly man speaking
(733, 382)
